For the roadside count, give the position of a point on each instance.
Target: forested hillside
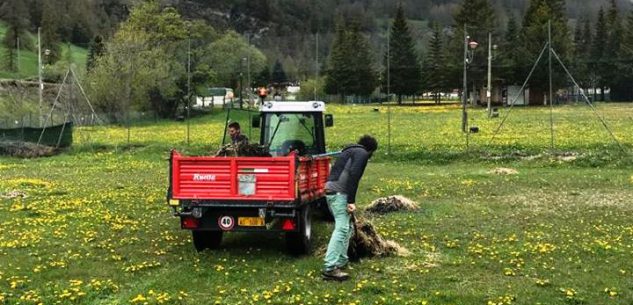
(78, 21)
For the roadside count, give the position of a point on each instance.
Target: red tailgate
(233, 178)
(313, 174)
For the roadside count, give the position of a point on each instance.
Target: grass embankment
(28, 60)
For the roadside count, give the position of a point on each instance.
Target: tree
(279, 77)
(582, 42)
(364, 77)
(15, 14)
(50, 36)
(510, 55)
(434, 64)
(405, 75)
(350, 68)
(337, 79)
(626, 54)
(312, 89)
(535, 34)
(597, 61)
(262, 79)
(139, 69)
(478, 17)
(615, 80)
(230, 52)
(587, 79)
(96, 49)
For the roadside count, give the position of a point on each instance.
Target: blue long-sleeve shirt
(346, 172)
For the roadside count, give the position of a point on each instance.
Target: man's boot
(335, 275)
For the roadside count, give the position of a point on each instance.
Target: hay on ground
(14, 194)
(26, 149)
(392, 204)
(366, 242)
(503, 171)
(243, 150)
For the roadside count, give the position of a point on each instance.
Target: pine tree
(405, 75)
(364, 77)
(586, 48)
(582, 41)
(598, 57)
(434, 64)
(510, 55)
(50, 35)
(478, 17)
(279, 77)
(337, 79)
(613, 69)
(535, 35)
(96, 49)
(262, 79)
(350, 68)
(15, 14)
(626, 53)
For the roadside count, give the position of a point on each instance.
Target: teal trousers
(336, 255)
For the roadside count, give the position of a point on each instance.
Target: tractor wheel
(206, 239)
(299, 243)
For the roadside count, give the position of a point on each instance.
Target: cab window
(290, 131)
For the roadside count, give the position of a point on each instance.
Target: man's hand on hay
(351, 207)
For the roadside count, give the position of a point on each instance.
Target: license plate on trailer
(250, 222)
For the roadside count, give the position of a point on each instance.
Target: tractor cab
(288, 126)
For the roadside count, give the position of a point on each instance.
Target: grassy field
(95, 228)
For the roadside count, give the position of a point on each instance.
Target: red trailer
(213, 195)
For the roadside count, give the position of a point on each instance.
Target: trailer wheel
(206, 239)
(324, 211)
(299, 243)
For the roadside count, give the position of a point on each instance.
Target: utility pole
(39, 72)
(316, 65)
(18, 45)
(188, 85)
(241, 86)
(488, 88)
(248, 71)
(465, 84)
(551, 96)
(388, 92)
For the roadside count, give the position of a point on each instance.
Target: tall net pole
(551, 95)
(465, 84)
(39, 73)
(388, 91)
(188, 87)
(316, 65)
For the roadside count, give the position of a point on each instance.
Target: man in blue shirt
(341, 190)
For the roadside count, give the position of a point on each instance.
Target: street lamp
(469, 48)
